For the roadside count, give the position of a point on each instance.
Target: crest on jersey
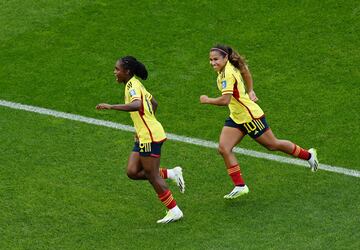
(132, 92)
(223, 84)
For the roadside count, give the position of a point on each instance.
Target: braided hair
(234, 57)
(134, 66)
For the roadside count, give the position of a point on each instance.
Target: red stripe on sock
(167, 199)
(163, 173)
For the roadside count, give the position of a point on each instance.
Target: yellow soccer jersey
(242, 109)
(148, 129)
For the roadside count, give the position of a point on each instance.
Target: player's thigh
(134, 163)
(230, 137)
(150, 164)
(267, 139)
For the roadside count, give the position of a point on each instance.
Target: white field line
(194, 141)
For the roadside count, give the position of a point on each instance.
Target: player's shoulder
(231, 69)
(133, 83)
(228, 73)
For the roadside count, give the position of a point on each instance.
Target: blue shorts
(152, 149)
(255, 128)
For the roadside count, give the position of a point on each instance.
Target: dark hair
(135, 67)
(234, 57)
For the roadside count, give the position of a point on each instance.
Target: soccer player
(246, 117)
(144, 161)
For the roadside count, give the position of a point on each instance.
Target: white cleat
(237, 192)
(179, 179)
(313, 161)
(171, 217)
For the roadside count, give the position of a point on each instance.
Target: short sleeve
(227, 84)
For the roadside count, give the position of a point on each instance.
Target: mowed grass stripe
(190, 140)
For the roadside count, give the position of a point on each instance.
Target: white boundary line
(194, 141)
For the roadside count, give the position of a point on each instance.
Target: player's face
(217, 60)
(120, 73)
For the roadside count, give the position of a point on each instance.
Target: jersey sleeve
(134, 92)
(227, 84)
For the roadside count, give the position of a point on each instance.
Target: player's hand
(103, 106)
(203, 99)
(253, 96)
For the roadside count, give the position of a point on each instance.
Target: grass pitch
(63, 183)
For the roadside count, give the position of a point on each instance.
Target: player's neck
(127, 79)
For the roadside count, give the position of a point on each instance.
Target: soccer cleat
(179, 179)
(171, 217)
(313, 161)
(237, 192)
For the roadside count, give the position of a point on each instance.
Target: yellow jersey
(148, 129)
(242, 109)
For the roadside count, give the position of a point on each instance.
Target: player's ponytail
(234, 57)
(135, 67)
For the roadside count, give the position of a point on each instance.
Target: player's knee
(132, 174)
(223, 150)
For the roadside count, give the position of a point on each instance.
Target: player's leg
(268, 140)
(135, 170)
(151, 168)
(229, 138)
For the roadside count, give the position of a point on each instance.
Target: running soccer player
(144, 161)
(246, 117)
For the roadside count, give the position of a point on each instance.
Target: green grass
(63, 184)
(68, 189)
(303, 57)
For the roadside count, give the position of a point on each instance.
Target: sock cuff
(233, 169)
(164, 195)
(296, 150)
(163, 173)
(167, 199)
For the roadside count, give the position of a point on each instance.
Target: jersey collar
(226, 65)
(131, 79)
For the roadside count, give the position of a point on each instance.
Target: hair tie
(218, 49)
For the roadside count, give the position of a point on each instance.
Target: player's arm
(132, 106)
(154, 104)
(246, 75)
(223, 100)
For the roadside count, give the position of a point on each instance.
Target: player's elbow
(225, 100)
(136, 105)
